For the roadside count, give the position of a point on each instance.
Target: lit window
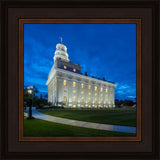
(89, 87)
(95, 88)
(74, 99)
(82, 99)
(74, 91)
(89, 93)
(74, 70)
(64, 98)
(65, 67)
(101, 89)
(95, 94)
(111, 91)
(101, 95)
(74, 84)
(106, 90)
(82, 92)
(95, 100)
(106, 101)
(65, 90)
(89, 100)
(82, 85)
(101, 101)
(64, 82)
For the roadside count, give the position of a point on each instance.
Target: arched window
(64, 98)
(74, 99)
(74, 84)
(82, 85)
(64, 82)
(82, 99)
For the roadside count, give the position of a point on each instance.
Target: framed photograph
(80, 79)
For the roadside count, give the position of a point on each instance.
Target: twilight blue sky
(103, 50)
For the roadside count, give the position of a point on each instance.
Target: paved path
(77, 123)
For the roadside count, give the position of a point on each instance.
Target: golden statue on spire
(61, 40)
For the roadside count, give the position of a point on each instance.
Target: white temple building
(67, 86)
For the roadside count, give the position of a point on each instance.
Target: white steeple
(61, 52)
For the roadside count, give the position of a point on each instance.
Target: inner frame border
(138, 136)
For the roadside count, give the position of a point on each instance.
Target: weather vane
(61, 40)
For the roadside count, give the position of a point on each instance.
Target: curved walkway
(78, 123)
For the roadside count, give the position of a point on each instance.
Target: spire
(61, 40)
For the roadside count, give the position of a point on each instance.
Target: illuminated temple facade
(67, 86)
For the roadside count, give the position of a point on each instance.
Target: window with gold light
(101, 89)
(89, 87)
(106, 90)
(82, 85)
(64, 98)
(74, 70)
(82, 92)
(74, 84)
(74, 99)
(89, 100)
(106, 102)
(74, 91)
(65, 67)
(95, 101)
(95, 94)
(101, 95)
(101, 101)
(95, 88)
(64, 82)
(82, 99)
(89, 93)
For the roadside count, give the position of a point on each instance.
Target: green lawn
(126, 117)
(41, 128)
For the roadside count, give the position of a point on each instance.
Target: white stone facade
(67, 86)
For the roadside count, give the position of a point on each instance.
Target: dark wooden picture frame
(147, 144)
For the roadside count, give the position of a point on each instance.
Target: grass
(125, 117)
(41, 128)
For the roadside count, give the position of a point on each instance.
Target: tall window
(65, 67)
(64, 82)
(74, 91)
(82, 92)
(95, 88)
(106, 102)
(82, 85)
(74, 70)
(95, 100)
(101, 89)
(95, 94)
(89, 87)
(82, 99)
(101, 101)
(74, 99)
(106, 90)
(101, 95)
(74, 84)
(89, 93)
(89, 100)
(64, 98)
